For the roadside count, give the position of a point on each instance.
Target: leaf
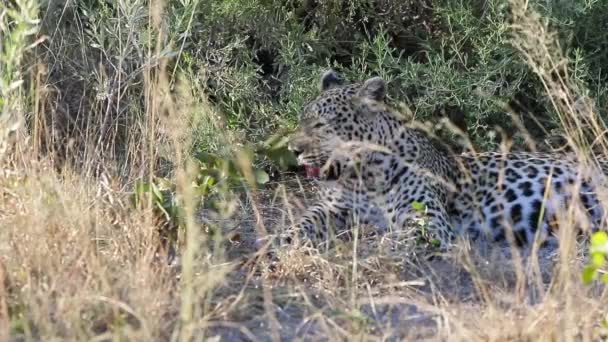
(589, 273)
(164, 211)
(418, 206)
(261, 176)
(281, 157)
(164, 184)
(276, 141)
(206, 158)
(599, 239)
(597, 260)
(605, 278)
(279, 138)
(158, 195)
(141, 187)
(422, 222)
(140, 191)
(204, 185)
(206, 174)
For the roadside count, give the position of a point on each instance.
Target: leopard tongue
(312, 171)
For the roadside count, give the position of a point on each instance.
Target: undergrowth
(142, 153)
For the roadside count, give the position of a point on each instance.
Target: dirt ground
(384, 287)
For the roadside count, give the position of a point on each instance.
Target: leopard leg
(337, 212)
(315, 227)
(438, 222)
(320, 222)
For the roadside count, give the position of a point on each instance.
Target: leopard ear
(374, 88)
(330, 79)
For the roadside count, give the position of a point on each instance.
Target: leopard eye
(318, 125)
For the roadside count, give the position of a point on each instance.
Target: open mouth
(312, 171)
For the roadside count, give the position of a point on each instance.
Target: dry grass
(79, 263)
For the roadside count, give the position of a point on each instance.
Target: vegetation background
(105, 103)
(257, 62)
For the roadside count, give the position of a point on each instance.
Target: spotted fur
(494, 196)
(376, 165)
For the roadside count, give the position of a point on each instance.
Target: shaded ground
(389, 288)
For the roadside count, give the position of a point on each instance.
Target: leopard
(382, 167)
(496, 202)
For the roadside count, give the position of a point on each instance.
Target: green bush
(257, 62)
(436, 54)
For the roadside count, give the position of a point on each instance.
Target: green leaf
(206, 158)
(141, 191)
(141, 188)
(605, 278)
(597, 260)
(158, 195)
(418, 206)
(589, 273)
(276, 141)
(422, 223)
(164, 211)
(206, 174)
(261, 177)
(207, 182)
(599, 239)
(281, 157)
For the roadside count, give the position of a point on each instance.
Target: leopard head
(339, 113)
